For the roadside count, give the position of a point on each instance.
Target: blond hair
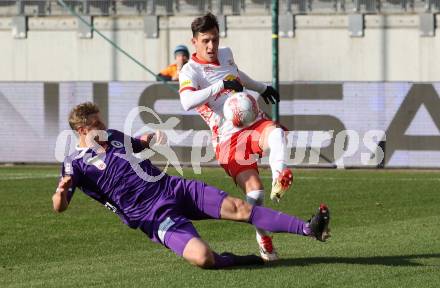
(80, 113)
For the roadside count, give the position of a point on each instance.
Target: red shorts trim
(242, 150)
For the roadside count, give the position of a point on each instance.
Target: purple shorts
(169, 222)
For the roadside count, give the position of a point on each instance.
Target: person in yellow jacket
(171, 72)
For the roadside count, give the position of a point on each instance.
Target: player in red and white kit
(206, 81)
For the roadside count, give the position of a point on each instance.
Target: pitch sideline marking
(24, 177)
(354, 179)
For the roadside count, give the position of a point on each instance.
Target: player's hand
(161, 138)
(233, 85)
(271, 95)
(64, 184)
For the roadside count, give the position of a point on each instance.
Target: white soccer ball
(241, 109)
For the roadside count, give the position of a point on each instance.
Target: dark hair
(204, 23)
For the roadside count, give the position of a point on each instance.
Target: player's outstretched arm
(150, 139)
(59, 198)
(268, 93)
(192, 98)
(250, 83)
(146, 139)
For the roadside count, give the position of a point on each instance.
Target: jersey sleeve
(136, 143)
(251, 84)
(187, 79)
(229, 55)
(190, 96)
(247, 81)
(69, 168)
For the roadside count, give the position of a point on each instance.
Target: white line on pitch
(355, 178)
(24, 177)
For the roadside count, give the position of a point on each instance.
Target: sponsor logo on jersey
(230, 77)
(163, 228)
(116, 144)
(186, 83)
(97, 162)
(111, 207)
(68, 168)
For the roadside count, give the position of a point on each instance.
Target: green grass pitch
(385, 227)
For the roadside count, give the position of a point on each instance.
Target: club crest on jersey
(116, 144)
(97, 162)
(231, 62)
(208, 69)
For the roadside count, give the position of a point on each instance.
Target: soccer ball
(241, 109)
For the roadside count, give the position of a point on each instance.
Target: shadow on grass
(398, 260)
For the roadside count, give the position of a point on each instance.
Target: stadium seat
(160, 7)
(432, 5)
(99, 7)
(371, 6)
(396, 6)
(192, 7)
(227, 7)
(33, 7)
(8, 8)
(300, 6)
(258, 7)
(131, 7)
(224, 7)
(325, 6)
(417, 6)
(57, 9)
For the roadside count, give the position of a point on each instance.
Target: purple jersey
(111, 180)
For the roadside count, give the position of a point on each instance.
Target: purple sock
(222, 261)
(275, 221)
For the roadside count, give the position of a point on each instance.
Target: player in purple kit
(161, 207)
